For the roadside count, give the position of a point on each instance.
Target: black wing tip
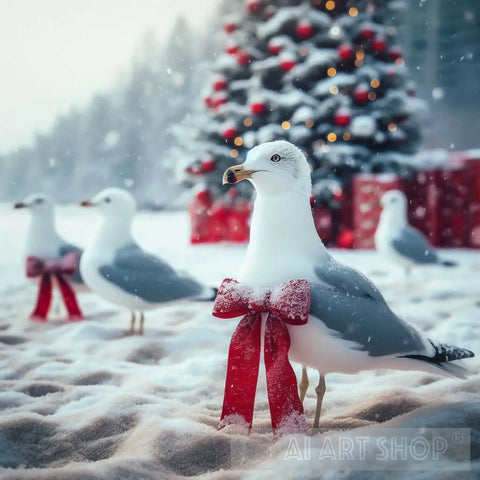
(444, 353)
(449, 263)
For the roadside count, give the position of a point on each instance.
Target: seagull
(43, 240)
(350, 327)
(115, 267)
(399, 241)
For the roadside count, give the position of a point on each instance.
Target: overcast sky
(56, 53)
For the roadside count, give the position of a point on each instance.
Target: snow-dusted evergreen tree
(325, 75)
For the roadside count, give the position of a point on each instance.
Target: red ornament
(338, 195)
(274, 48)
(253, 6)
(208, 165)
(360, 94)
(258, 107)
(243, 58)
(219, 100)
(229, 27)
(345, 52)
(232, 193)
(379, 44)
(220, 83)
(229, 133)
(203, 195)
(287, 63)
(232, 49)
(342, 117)
(305, 29)
(195, 169)
(345, 239)
(208, 101)
(395, 53)
(367, 32)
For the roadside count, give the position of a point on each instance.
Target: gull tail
(448, 263)
(444, 354)
(208, 295)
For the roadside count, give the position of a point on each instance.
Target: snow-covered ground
(85, 400)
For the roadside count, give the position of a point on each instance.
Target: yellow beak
(237, 174)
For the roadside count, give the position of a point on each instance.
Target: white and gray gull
(115, 267)
(399, 241)
(43, 241)
(350, 327)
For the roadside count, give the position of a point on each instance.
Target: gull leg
(142, 321)
(132, 324)
(303, 386)
(320, 391)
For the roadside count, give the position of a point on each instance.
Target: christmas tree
(324, 75)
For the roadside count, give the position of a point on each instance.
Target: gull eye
(107, 200)
(275, 157)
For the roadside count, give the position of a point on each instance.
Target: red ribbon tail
(285, 405)
(69, 298)
(242, 372)
(44, 298)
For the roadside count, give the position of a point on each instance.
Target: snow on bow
(289, 304)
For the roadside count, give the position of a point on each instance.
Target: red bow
(66, 265)
(290, 304)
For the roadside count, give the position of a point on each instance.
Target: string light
(330, 5)
(248, 122)
(400, 62)
(353, 12)
(285, 125)
(347, 136)
(392, 127)
(331, 72)
(238, 141)
(309, 123)
(234, 153)
(375, 83)
(304, 51)
(333, 89)
(335, 31)
(358, 62)
(331, 137)
(372, 96)
(360, 54)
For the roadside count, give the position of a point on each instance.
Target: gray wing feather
(412, 244)
(148, 277)
(348, 303)
(67, 248)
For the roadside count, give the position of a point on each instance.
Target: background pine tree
(325, 75)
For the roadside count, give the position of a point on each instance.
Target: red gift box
(238, 221)
(472, 169)
(368, 190)
(199, 217)
(322, 218)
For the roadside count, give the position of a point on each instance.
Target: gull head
(37, 203)
(273, 168)
(112, 203)
(394, 200)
